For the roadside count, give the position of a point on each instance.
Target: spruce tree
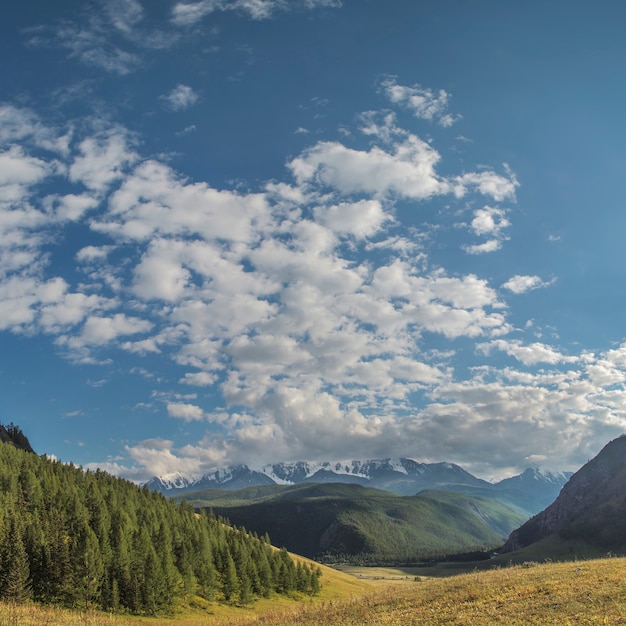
(230, 583)
(16, 584)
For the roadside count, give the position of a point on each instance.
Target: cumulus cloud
(488, 222)
(523, 283)
(407, 170)
(528, 354)
(186, 412)
(314, 321)
(102, 160)
(100, 330)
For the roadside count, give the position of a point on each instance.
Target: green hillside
(90, 540)
(354, 523)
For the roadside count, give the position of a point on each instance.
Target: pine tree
(230, 584)
(16, 584)
(245, 590)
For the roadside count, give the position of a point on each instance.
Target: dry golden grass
(589, 592)
(576, 593)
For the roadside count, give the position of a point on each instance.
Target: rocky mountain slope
(591, 506)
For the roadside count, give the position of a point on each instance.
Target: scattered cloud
(488, 222)
(522, 283)
(422, 102)
(302, 310)
(190, 13)
(186, 412)
(180, 98)
(528, 354)
(102, 159)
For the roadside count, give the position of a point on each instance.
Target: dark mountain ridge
(13, 435)
(591, 506)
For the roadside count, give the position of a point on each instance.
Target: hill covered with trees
(88, 539)
(13, 434)
(351, 523)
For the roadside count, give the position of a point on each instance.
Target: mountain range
(530, 492)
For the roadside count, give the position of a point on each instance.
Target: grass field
(573, 593)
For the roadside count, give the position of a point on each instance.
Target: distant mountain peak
(530, 491)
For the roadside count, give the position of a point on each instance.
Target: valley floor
(575, 593)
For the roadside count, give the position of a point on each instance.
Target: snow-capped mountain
(171, 482)
(541, 485)
(529, 492)
(404, 476)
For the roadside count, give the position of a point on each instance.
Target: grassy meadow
(574, 593)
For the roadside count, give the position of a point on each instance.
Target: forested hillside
(82, 538)
(356, 524)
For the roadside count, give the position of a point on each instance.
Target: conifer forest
(87, 539)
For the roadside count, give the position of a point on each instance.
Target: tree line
(88, 539)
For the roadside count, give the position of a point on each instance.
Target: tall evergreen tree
(16, 584)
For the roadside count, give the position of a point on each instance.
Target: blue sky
(264, 230)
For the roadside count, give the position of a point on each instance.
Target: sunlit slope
(591, 592)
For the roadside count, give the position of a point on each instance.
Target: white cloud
(70, 309)
(186, 412)
(93, 253)
(19, 124)
(530, 354)
(408, 171)
(71, 207)
(103, 160)
(306, 311)
(487, 183)
(489, 221)
(422, 102)
(154, 200)
(18, 171)
(180, 98)
(124, 14)
(20, 298)
(484, 248)
(199, 379)
(92, 46)
(189, 13)
(360, 219)
(155, 458)
(99, 330)
(523, 283)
